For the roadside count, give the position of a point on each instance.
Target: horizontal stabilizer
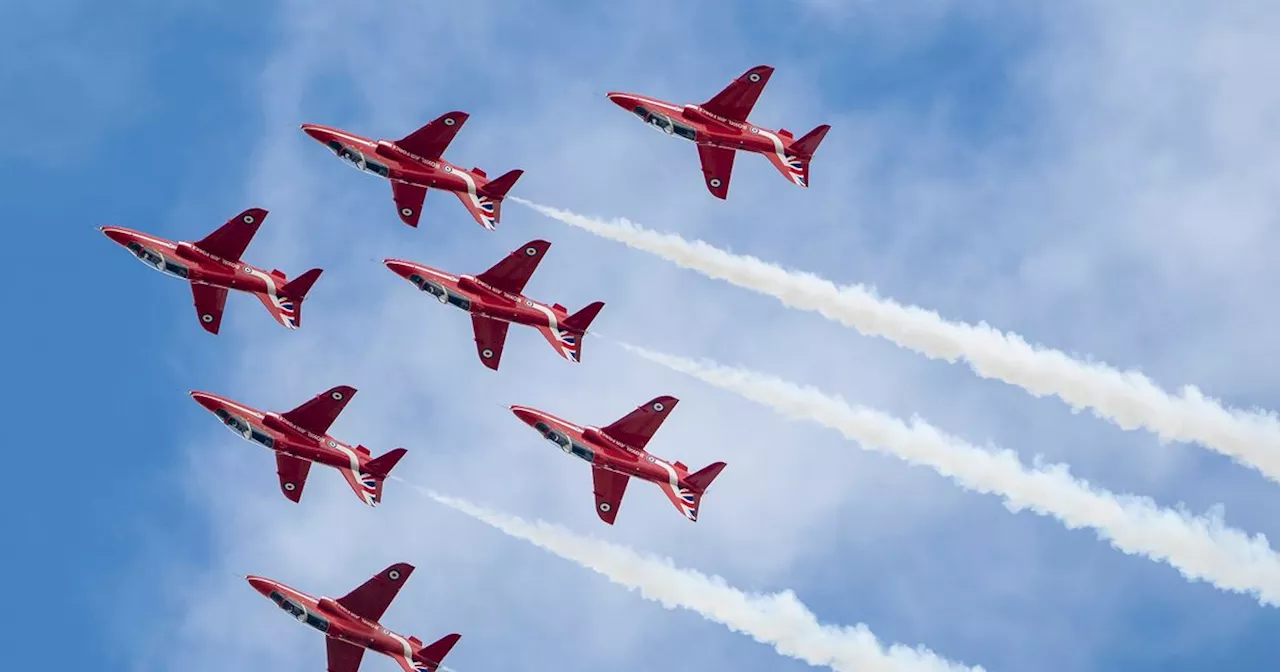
(479, 172)
(807, 145)
(299, 286)
(580, 320)
(497, 189)
(433, 654)
(702, 479)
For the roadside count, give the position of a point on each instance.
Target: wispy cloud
(777, 619)
(1126, 398)
(1201, 547)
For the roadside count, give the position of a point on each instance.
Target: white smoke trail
(1200, 547)
(1127, 398)
(778, 619)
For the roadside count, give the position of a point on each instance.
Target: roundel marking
(528, 302)
(659, 406)
(486, 353)
(448, 169)
(394, 575)
(754, 77)
(290, 486)
(206, 318)
(530, 251)
(247, 269)
(755, 131)
(407, 212)
(248, 219)
(332, 443)
(604, 507)
(449, 121)
(650, 458)
(337, 396)
(715, 182)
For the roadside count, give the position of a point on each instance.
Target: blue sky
(1099, 178)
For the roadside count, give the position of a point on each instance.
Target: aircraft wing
(210, 301)
(343, 657)
(737, 99)
(408, 198)
(637, 427)
(717, 167)
(231, 239)
(373, 597)
(293, 475)
(430, 141)
(491, 335)
(513, 273)
(318, 413)
(609, 487)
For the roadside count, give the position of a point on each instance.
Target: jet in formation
(617, 452)
(413, 164)
(350, 623)
(719, 127)
(300, 437)
(212, 265)
(495, 301)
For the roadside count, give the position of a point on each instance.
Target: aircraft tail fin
(700, 480)
(567, 337)
(382, 465)
(432, 654)
(298, 287)
(794, 164)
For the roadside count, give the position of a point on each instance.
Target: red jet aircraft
(300, 437)
(494, 300)
(617, 453)
(719, 127)
(350, 623)
(413, 164)
(212, 265)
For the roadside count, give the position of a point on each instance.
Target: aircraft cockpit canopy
(357, 159)
(437, 290)
(157, 261)
(665, 124)
(301, 613)
(244, 429)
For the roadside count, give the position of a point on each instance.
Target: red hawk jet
(212, 265)
(495, 301)
(300, 437)
(350, 623)
(413, 165)
(719, 127)
(616, 453)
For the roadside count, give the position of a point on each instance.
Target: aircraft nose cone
(398, 267)
(263, 586)
(207, 400)
(316, 132)
(525, 414)
(623, 100)
(115, 233)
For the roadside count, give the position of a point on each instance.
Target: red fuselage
(601, 450)
(701, 127)
(336, 621)
(275, 433)
(479, 298)
(187, 262)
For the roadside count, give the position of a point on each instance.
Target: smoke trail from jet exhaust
(1200, 547)
(1127, 398)
(777, 619)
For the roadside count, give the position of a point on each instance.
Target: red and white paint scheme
(300, 437)
(350, 623)
(719, 127)
(212, 265)
(495, 301)
(617, 452)
(413, 165)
